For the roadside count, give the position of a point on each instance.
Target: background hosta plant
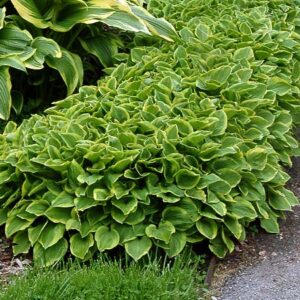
(182, 143)
(67, 36)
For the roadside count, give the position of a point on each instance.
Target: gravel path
(266, 267)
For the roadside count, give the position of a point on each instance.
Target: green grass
(107, 279)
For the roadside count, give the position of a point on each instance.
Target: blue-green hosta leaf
(163, 232)
(51, 255)
(138, 247)
(207, 227)
(176, 244)
(51, 234)
(106, 238)
(5, 97)
(80, 246)
(69, 65)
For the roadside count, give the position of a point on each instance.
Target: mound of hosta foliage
(60, 34)
(184, 142)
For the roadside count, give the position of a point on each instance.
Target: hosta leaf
(80, 246)
(15, 224)
(70, 67)
(257, 158)
(178, 216)
(51, 255)
(35, 232)
(51, 234)
(208, 228)
(58, 215)
(279, 86)
(106, 238)
(3, 215)
(218, 247)
(21, 243)
(5, 97)
(187, 179)
(163, 232)
(234, 226)
(270, 225)
(242, 209)
(227, 241)
(138, 247)
(126, 204)
(33, 11)
(176, 244)
(38, 207)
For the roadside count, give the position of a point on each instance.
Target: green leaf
(270, 225)
(242, 209)
(106, 238)
(38, 207)
(279, 86)
(58, 215)
(138, 247)
(163, 232)
(208, 228)
(127, 204)
(5, 97)
(176, 244)
(80, 246)
(178, 216)
(21, 243)
(234, 226)
(15, 224)
(51, 234)
(70, 67)
(187, 179)
(51, 255)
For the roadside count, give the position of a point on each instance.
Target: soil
(266, 266)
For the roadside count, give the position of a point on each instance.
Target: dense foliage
(66, 36)
(182, 143)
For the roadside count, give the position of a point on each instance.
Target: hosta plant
(66, 36)
(182, 143)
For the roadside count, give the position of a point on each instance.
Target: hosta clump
(182, 143)
(67, 36)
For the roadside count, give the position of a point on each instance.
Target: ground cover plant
(107, 279)
(46, 44)
(181, 143)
